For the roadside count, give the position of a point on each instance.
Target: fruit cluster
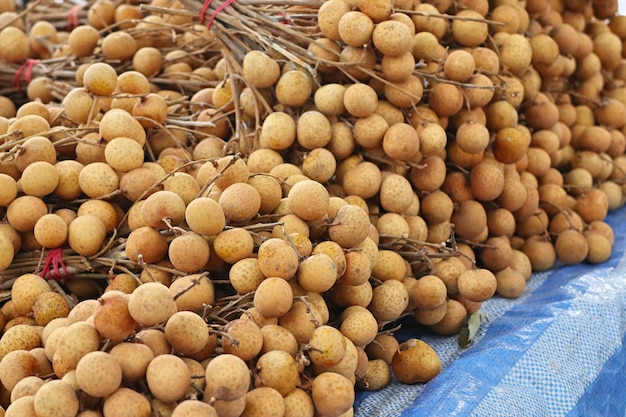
(196, 225)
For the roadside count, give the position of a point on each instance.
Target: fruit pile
(225, 209)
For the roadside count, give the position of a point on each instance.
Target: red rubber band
(72, 17)
(27, 69)
(217, 11)
(203, 10)
(53, 265)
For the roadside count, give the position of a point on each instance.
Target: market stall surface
(558, 350)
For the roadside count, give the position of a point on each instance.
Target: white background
(622, 7)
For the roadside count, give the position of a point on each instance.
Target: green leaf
(469, 330)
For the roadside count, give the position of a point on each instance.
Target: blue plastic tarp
(558, 350)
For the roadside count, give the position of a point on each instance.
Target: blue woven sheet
(559, 350)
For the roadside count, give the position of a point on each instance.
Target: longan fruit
(186, 332)
(168, 377)
(29, 125)
(301, 320)
(227, 378)
(133, 359)
(389, 300)
(126, 402)
(363, 180)
(453, 320)
(48, 306)
(377, 376)
(17, 337)
(39, 179)
(260, 70)
(278, 131)
(102, 209)
(15, 366)
(51, 231)
(14, 44)
(438, 27)
(7, 251)
(445, 99)
(398, 68)
(313, 129)
(429, 292)
(273, 297)
(358, 326)
(349, 227)
(472, 137)
(150, 110)
(24, 212)
(459, 65)
(263, 401)
(298, 403)
(192, 292)
(240, 202)
(369, 131)
(516, 53)
(276, 337)
(86, 234)
(111, 316)
(401, 141)
(25, 290)
(497, 253)
(76, 341)
(415, 361)
(319, 165)
(471, 32)
(540, 252)
(477, 284)
(188, 252)
(147, 242)
(56, 398)
(329, 15)
(317, 273)
(332, 394)
(100, 78)
(406, 93)
(98, 179)
(25, 387)
(293, 88)
(147, 60)
(392, 38)
(118, 46)
(308, 200)
(469, 219)
(154, 339)
(245, 275)
(124, 154)
(80, 106)
(276, 369)
(571, 247)
(355, 28)
(35, 148)
(600, 248)
(234, 244)
(151, 303)
(511, 283)
(80, 312)
(8, 185)
(277, 258)
(593, 205)
(163, 209)
(98, 374)
(190, 408)
(120, 123)
(243, 338)
(68, 172)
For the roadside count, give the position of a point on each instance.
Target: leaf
(469, 330)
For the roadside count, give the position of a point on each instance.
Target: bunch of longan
(192, 232)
